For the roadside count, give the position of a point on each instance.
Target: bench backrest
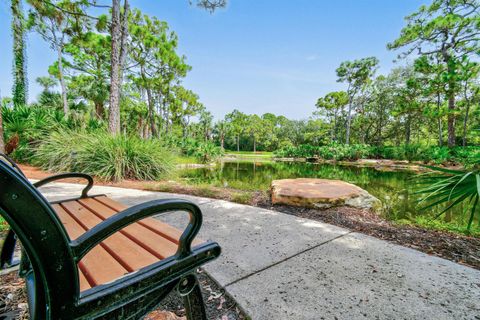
(42, 235)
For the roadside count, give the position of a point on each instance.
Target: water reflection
(394, 189)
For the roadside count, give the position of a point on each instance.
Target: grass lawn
(250, 154)
(186, 160)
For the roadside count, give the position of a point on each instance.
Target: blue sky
(257, 56)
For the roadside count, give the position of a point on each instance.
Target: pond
(394, 189)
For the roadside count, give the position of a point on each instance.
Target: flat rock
(321, 193)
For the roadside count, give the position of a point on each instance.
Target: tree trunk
(451, 101)
(440, 137)
(222, 142)
(238, 143)
(20, 86)
(465, 122)
(140, 127)
(451, 120)
(123, 42)
(335, 115)
(115, 82)
(66, 109)
(151, 113)
(408, 130)
(99, 109)
(2, 142)
(349, 122)
(254, 145)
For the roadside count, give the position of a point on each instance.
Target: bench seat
(134, 247)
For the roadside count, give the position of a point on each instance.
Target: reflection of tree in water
(394, 189)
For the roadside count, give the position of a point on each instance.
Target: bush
(414, 152)
(203, 151)
(207, 152)
(103, 155)
(329, 152)
(26, 126)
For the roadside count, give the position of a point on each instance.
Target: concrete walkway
(278, 266)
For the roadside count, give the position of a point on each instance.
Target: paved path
(279, 266)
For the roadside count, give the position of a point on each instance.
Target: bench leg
(194, 305)
(7, 250)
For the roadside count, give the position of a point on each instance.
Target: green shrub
(203, 151)
(103, 155)
(413, 152)
(207, 152)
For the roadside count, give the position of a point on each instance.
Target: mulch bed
(219, 305)
(458, 248)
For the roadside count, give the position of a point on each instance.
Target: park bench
(91, 257)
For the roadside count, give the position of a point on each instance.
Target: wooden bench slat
(152, 242)
(84, 285)
(129, 254)
(134, 247)
(163, 229)
(98, 266)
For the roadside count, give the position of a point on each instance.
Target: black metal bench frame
(49, 262)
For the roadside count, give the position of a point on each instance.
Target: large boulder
(322, 194)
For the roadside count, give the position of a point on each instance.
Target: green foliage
(452, 188)
(103, 155)
(414, 152)
(29, 125)
(203, 151)
(20, 85)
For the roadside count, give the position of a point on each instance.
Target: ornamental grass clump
(111, 158)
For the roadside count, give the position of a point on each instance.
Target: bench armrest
(11, 162)
(61, 176)
(103, 230)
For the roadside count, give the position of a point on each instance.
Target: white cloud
(312, 57)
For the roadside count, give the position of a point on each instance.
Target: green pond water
(394, 189)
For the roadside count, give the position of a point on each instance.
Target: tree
(47, 97)
(469, 72)
(210, 5)
(54, 24)
(448, 29)
(205, 122)
(408, 104)
(118, 34)
(356, 74)
(90, 63)
(333, 103)
(20, 84)
(431, 75)
(256, 129)
(221, 129)
(238, 122)
(156, 67)
(119, 30)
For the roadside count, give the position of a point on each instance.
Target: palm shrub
(26, 126)
(450, 187)
(103, 155)
(207, 152)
